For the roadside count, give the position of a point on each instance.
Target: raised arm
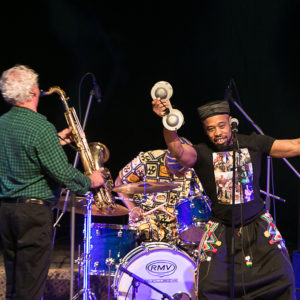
(285, 148)
(185, 154)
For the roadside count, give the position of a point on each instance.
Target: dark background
(198, 48)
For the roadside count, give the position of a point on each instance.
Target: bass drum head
(161, 265)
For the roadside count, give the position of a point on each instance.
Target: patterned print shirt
(32, 161)
(151, 167)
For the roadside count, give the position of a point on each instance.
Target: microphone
(234, 123)
(174, 119)
(96, 89)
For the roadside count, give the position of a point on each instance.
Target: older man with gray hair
(33, 166)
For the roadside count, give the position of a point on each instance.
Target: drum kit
(142, 269)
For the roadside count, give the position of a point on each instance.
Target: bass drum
(162, 265)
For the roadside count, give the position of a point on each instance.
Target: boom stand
(136, 281)
(261, 132)
(85, 291)
(234, 172)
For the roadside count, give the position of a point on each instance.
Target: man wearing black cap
(262, 268)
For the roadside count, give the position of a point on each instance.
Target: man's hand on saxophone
(97, 178)
(65, 136)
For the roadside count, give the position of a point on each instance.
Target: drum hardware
(190, 248)
(85, 261)
(109, 262)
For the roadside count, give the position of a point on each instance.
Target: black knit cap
(213, 108)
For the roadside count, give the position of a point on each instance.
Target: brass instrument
(92, 155)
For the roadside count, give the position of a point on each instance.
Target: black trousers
(26, 232)
(262, 265)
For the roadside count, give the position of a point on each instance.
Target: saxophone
(93, 155)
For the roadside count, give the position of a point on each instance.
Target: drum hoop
(112, 226)
(191, 199)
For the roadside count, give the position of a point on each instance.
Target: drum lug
(192, 205)
(98, 232)
(174, 247)
(120, 233)
(96, 264)
(195, 253)
(144, 247)
(195, 219)
(110, 261)
(176, 212)
(178, 225)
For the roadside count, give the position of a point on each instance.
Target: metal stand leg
(85, 291)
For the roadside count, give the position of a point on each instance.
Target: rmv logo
(161, 268)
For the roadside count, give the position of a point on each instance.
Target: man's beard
(225, 146)
(222, 147)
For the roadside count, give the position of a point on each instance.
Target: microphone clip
(96, 89)
(234, 129)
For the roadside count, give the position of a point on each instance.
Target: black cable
(79, 93)
(68, 144)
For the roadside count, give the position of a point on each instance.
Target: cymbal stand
(109, 262)
(85, 291)
(201, 192)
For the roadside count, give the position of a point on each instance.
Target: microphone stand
(261, 132)
(234, 152)
(136, 281)
(73, 208)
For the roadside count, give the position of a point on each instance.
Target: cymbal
(80, 208)
(147, 187)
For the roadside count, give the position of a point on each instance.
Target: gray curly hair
(16, 84)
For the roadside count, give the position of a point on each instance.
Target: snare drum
(109, 243)
(163, 266)
(192, 215)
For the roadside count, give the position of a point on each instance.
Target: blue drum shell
(192, 215)
(110, 241)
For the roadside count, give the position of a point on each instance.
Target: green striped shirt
(32, 161)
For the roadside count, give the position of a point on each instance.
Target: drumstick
(168, 213)
(160, 208)
(154, 209)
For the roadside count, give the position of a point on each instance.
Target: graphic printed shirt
(223, 169)
(214, 169)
